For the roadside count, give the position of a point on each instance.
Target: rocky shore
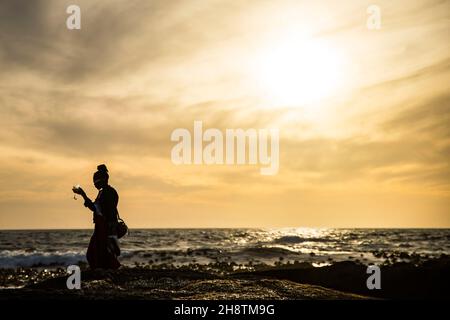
(342, 280)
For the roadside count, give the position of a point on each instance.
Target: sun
(298, 72)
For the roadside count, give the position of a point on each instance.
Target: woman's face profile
(99, 183)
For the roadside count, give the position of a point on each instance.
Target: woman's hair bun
(102, 168)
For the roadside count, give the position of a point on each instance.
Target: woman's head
(101, 176)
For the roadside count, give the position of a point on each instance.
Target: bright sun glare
(299, 72)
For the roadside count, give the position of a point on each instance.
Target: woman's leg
(92, 252)
(98, 254)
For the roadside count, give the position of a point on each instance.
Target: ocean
(243, 247)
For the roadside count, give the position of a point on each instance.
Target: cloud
(114, 91)
(412, 147)
(116, 37)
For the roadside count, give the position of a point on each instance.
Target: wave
(22, 258)
(297, 239)
(267, 251)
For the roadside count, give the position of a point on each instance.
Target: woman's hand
(79, 191)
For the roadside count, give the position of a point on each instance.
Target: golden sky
(363, 114)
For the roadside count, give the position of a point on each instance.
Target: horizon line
(194, 228)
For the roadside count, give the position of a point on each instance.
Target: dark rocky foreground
(144, 283)
(401, 280)
(342, 280)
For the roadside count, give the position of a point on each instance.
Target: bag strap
(118, 216)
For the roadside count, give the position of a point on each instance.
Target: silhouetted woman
(103, 248)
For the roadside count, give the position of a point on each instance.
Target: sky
(363, 114)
